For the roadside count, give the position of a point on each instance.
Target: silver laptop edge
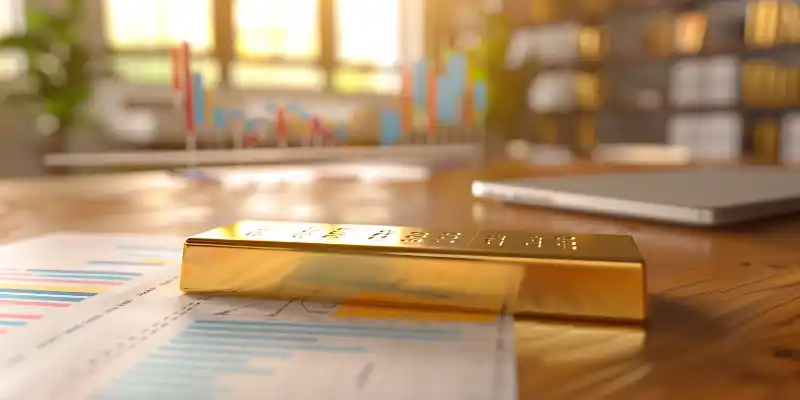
(628, 208)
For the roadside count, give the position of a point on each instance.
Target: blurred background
(719, 78)
(715, 80)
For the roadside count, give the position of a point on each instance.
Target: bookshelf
(721, 77)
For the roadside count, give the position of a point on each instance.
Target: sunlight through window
(368, 31)
(11, 21)
(285, 28)
(143, 24)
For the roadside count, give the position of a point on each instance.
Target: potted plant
(57, 82)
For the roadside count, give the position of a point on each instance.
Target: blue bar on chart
(457, 71)
(196, 361)
(340, 131)
(446, 112)
(391, 127)
(480, 96)
(419, 84)
(220, 119)
(257, 329)
(51, 289)
(300, 112)
(124, 263)
(199, 107)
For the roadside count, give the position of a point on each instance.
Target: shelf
(617, 61)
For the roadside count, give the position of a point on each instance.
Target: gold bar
(597, 277)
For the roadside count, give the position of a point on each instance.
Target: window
(158, 24)
(355, 19)
(11, 21)
(263, 44)
(380, 51)
(140, 32)
(278, 29)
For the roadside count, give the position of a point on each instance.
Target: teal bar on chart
(479, 96)
(199, 106)
(445, 106)
(220, 119)
(419, 84)
(300, 112)
(456, 70)
(391, 127)
(340, 131)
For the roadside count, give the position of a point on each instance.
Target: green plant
(58, 82)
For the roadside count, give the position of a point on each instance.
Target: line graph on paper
(198, 351)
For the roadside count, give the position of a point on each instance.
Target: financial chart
(168, 346)
(45, 276)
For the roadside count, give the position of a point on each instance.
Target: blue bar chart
(197, 362)
(164, 345)
(61, 271)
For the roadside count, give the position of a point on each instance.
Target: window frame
(224, 47)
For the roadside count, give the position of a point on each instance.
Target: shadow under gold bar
(594, 277)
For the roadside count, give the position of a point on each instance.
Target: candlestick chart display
(439, 102)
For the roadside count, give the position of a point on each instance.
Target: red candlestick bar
(406, 100)
(175, 55)
(187, 86)
(280, 123)
(466, 106)
(431, 100)
(318, 128)
(250, 140)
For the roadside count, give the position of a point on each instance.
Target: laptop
(702, 197)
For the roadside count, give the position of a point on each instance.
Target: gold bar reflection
(598, 277)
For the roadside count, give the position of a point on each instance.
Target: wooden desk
(725, 303)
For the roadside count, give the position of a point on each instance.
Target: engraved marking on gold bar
(577, 276)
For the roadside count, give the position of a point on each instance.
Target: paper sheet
(149, 341)
(68, 274)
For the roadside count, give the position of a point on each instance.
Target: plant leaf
(75, 10)
(37, 19)
(22, 41)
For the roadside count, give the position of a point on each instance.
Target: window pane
(368, 31)
(286, 28)
(145, 24)
(157, 70)
(250, 76)
(11, 21)
(366, 82)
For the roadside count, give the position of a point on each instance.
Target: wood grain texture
(725, 303)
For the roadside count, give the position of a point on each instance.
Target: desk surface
(725, 303)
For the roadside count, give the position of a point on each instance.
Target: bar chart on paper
(293, 351)
(27, 295)
(44, 275)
